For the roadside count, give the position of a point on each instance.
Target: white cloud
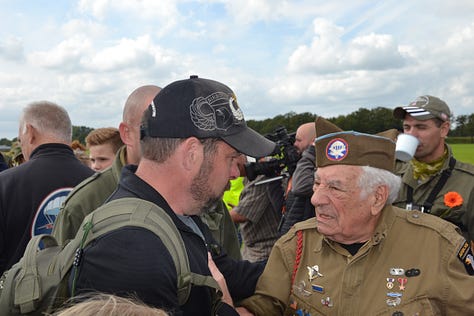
(126, 53)
(66, 56)
(163, 13)
(328, 53)
(83, 27)
(325, 57)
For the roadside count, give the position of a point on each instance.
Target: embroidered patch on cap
(337, 149)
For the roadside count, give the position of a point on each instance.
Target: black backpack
(38, 283)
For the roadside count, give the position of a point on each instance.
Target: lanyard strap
(426, 207)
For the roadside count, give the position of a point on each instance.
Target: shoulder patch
(466, 257)
(47, 212)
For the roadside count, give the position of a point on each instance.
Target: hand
(217, 275)
(243, 311)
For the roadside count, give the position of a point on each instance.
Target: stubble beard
(201, 191)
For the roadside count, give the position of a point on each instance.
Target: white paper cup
(405, 147)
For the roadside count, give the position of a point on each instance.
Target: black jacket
(134, 260)
(30, 196)
(299, 207)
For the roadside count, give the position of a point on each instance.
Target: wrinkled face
(101, 156)
(214, 175)
(430, 137)
(341, 213)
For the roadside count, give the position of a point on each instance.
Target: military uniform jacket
(461, 182)
(86, 197)
(435, 282)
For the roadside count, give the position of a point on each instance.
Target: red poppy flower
(453, 199)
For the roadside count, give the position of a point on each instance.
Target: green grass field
(463, 152)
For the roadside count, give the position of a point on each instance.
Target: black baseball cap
(202, 108)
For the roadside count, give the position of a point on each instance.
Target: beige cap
(337, 147)
(423, 108)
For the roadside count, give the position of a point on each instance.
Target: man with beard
(192, 135)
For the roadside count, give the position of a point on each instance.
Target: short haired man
(304, 136)
(103, 143)
(258, 214)
(192, 134)
(31, 193)
(360, 255)
(434, 181)
(93, 192)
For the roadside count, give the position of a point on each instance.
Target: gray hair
(371, 178)
(49, 119)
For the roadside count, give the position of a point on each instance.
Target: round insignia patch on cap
(337, 149)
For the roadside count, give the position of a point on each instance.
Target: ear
(192, 153)
(30, 134)
(445, 126)
(124, 133)
(380, 198)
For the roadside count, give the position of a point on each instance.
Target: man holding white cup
(434, 181)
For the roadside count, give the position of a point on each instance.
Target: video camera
(283, 159)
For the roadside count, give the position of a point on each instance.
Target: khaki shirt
(460, 181)
(363, 284)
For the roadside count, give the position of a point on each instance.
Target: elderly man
(434, 181)
(31, 193)
(192, 135)
(360, 255)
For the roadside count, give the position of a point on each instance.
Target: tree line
(363, 120)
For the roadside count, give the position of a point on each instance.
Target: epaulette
(465, 167)
(304, 225)
(81, 185)
(444, 228)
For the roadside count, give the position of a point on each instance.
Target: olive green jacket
(94, 191)
(461, 181)
(86, 197)
(421, 244)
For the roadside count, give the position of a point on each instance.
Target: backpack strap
(426, 207)
(28, 289)
(141, 213)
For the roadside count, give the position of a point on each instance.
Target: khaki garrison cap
(337, 147)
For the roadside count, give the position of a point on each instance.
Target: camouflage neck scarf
(424, 170)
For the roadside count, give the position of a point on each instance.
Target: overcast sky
(324, 57)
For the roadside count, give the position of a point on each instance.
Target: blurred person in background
(103, 144)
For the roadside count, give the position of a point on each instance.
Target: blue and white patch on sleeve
(467, 258)
(47, 212)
